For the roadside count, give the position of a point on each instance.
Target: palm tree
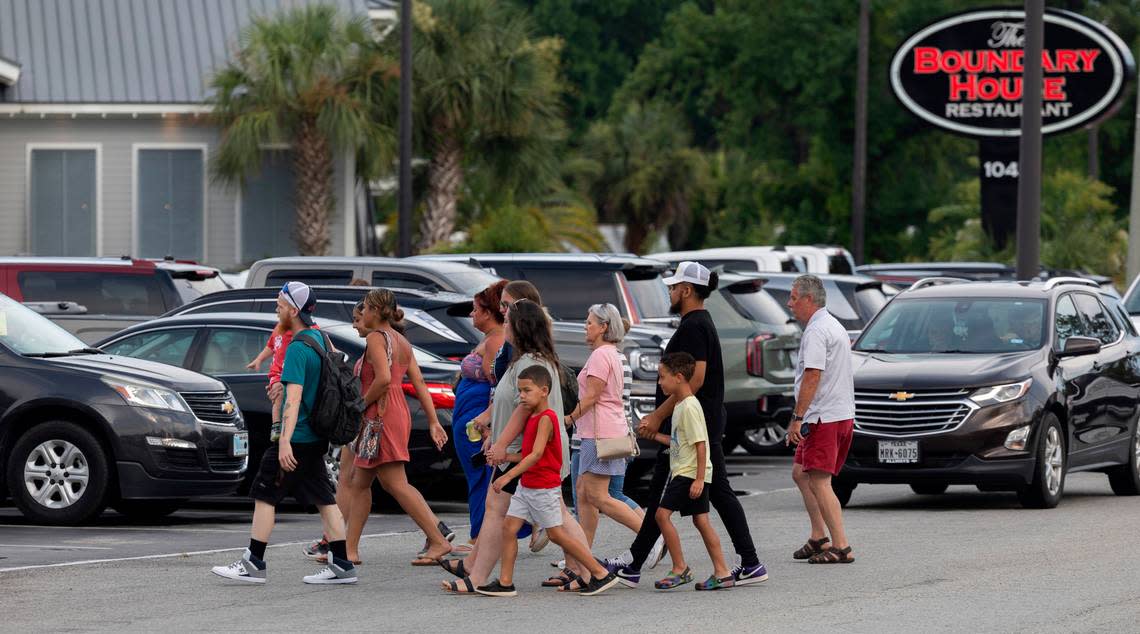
(487, 96)
(640, 169)
(306, 78)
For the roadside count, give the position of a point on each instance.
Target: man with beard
(295, 465)
(689, 287)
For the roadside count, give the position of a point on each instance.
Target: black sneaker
(598, 586)
(496, 589)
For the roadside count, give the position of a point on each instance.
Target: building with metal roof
(104, 149)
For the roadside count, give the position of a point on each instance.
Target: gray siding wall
(117, 138)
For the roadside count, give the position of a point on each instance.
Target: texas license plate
(898, 451)
(241, 444)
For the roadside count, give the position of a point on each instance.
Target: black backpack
(339, 407)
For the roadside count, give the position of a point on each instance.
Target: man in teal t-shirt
(294, 464)
(302, 367)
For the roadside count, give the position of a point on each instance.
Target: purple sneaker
(745, 575)
(626, 575)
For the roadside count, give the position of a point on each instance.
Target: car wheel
(843, 490)
(767, 440)
(146, 510)
(1049, 474)
(929, 488)
(1125, 479)
(58, 474)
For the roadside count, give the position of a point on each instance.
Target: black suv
(1004, 385)
(80, 429)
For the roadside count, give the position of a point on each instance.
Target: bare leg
(511, 528)
(597, 488)
(490, 537)
(360, 494)
(264, 517)
(343, 490)
(712, 544)
(803, 482)
(571, 529)
(576, 549)
(829, 507)
(587, 512)
(672, 539)
(395, 482)
(333, 523)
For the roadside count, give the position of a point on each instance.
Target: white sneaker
(332, 574)
(656, 554)
(242, 570)
(539, 540)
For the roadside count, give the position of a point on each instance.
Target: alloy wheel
(1054, 461)
(769, 435)
(56, 474)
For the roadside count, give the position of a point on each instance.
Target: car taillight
(754, 353)
(442, 396)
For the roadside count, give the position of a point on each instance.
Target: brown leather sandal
(811, 548)
(833, 556)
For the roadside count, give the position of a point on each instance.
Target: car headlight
(1000, 393)
(142, 395)
(645, 362)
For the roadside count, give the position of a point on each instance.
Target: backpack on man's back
(339, 406)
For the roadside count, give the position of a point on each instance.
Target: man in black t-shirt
(689, 287)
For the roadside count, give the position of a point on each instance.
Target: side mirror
(1078, 346)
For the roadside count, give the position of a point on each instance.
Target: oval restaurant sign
(963, 73)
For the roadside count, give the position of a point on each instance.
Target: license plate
(898, 451)
(241, 444)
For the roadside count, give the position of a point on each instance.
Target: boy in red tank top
(538, 499)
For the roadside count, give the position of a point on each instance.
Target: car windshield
(651, 297)
(29, 333)
(758, 305)
(191, 288)
(1132, 302)
(471, 282)
(957, 325)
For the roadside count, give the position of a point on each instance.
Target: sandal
(833, 556)
(452, 587)
(575, 584)
(559, 580)
(458, 570)
(811, 548)
(674, 580)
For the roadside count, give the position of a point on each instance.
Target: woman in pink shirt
(601, 413)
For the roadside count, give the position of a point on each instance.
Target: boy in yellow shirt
(689, 472)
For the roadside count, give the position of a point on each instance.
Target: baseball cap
(301, 297)
(691, 272)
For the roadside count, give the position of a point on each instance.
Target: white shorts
(542, 507)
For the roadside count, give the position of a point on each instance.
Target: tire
(147, 510)
(58, 495)
(1048, 484)
(929, 488)
(767, 440)
(843, 491)
(1125, 479)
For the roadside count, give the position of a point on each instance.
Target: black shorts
(676, 497)
(309, 483)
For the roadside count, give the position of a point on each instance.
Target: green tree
(306, 78)
(487, 96)
(641, 170)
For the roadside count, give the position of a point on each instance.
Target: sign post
(964, 74)
(1029, 185)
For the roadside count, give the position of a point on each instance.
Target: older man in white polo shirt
(823, 421)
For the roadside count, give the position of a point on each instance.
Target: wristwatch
(799, 418)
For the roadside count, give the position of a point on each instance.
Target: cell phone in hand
(479, 459)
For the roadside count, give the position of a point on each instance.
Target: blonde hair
(383, 301)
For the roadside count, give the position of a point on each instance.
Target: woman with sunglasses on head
(601, 414)
(473, 397)
(381, 449)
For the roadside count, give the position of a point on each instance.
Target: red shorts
(826, 447)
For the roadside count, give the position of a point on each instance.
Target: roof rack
(1053, 282)
(934, 281)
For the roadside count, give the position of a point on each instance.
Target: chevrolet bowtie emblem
(900, 396)
(228, 407)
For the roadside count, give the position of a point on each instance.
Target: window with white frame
(62, 201)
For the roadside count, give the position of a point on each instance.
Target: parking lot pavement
(961, 561)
